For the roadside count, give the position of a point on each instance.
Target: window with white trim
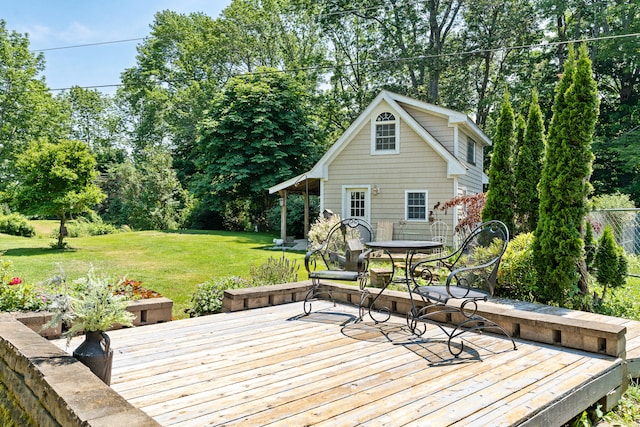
(416, 205)
(471, 151)
(385, 133)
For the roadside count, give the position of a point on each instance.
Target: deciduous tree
(258, 133)
(56, 180)
(27, 109)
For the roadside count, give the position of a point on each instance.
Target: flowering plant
(15, 295)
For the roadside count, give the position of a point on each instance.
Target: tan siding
(472, 181)
(438, 127)
(416, 167)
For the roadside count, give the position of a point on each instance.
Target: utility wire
(382, 61)
(88, 45)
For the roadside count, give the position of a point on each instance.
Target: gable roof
(396, 101)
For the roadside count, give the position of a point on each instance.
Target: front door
(356, 203)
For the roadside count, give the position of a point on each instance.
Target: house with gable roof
(398, 160)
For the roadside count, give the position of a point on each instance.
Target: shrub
(619, 304)
(84, 227)
(274, 271)
(320, 228)
(610, 262)
(16, 225)
(295, 214)
(207, 299)
(590, 246)
(517, 277)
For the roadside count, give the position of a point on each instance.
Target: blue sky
(59, 23)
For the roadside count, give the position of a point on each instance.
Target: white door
(356, 203)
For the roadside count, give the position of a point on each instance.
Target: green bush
(274, 271)
(207, 299)
(84, 227)
(236, 216)
(620, 303)
(610, 262)
(16, 225)
(517, 276)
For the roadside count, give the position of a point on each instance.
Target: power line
(450, 54)
(391, 60)
(88, 44)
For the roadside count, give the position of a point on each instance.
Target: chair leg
(439, 314)
(314, 294)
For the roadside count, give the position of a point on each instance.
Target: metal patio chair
(450, 286)
(341, 256)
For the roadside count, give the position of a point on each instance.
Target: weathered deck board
(271, 367)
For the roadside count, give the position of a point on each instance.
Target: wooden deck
(269, 366)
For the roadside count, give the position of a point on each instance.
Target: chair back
(439, 232)
(344, 244)
(384, 231)
(475, 263)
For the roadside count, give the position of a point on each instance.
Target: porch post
(306, 212)
(283, 214)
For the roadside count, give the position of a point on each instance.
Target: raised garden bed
(147, 312)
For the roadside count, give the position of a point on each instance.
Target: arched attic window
(385, 134)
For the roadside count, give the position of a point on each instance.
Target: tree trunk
(62, 233)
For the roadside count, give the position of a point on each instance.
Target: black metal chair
(341, 256)
(451, 285)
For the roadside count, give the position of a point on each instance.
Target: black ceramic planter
(96, 354)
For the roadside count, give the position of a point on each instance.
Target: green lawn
(171, 263)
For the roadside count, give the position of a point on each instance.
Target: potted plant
(93, 308)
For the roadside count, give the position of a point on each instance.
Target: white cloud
(37, 33)
(77, 32)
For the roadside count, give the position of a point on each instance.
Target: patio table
(409, 248)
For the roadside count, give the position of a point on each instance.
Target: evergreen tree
(528, 169)
(558, 246)
(610, 262)
(499, 203)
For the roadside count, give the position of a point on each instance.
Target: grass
(171, 263)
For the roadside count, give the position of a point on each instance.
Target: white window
(416, 205)
(385, 134)
(471, 151)
(357, 206)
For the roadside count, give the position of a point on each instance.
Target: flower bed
(30, 304)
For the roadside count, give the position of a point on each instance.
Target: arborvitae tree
(610, 262)
(501, 186)
(528, 169)
(558, 246)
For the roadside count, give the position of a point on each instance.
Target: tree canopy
(56, 180)
(27, 110)
(257, 134)
(340, 53)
